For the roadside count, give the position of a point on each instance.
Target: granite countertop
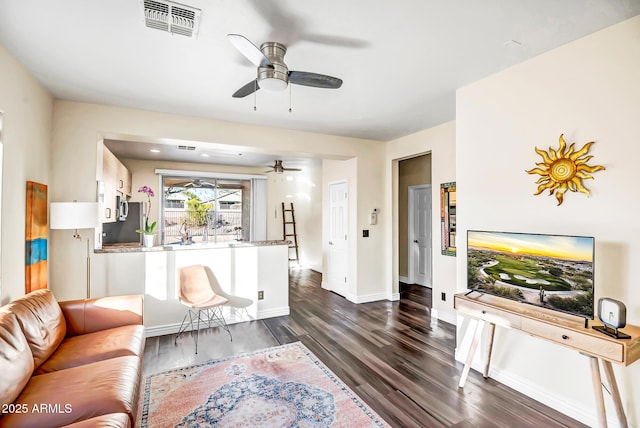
(135, 247)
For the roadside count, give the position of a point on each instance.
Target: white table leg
(487, 361)
(615, 393)
(472, 352)
(597, 390)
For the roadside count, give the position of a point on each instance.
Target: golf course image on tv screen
(550, 271)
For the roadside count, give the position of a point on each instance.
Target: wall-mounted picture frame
(448, 218)
(36, 272)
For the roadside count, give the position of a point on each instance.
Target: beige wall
(304, 190)
(411, 172)
(440, 143)
(587, 90)
(370, 251)
(26, 135)
(79, 127)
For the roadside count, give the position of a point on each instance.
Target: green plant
(198, 211)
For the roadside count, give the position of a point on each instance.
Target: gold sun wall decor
(564, 169)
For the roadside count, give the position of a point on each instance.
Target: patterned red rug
(283, 386)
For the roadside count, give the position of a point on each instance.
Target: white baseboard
(445, 316)
(393, 297)
(317, 268)
(366, 298)
(271, 313)
(161, 330)
(409, 281)
(571, 408)
(574, 409)
(354, 298)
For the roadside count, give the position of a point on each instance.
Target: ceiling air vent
(182, 147)
(171, 17)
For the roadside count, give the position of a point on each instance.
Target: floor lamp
(75, 215)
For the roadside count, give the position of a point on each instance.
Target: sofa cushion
(89, 315)
(79, 393)
(91, 347)
(113, 420)
(16, 361)
(42, 323)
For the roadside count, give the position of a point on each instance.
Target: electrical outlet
(365, 233)
(260, 295)
(443, 296)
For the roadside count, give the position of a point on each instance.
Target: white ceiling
(401, 61)
(207, 153)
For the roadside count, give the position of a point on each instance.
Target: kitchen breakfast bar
(242, 268)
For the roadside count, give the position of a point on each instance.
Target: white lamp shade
(73, 215)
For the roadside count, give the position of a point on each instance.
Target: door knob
(330, 243)
(415, 241)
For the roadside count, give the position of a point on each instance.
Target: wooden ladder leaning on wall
(291, 234)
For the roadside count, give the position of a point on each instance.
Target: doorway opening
(415, 212)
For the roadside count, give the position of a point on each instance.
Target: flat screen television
(550, 271)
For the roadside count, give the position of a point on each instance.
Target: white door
(337, 264)
(420, 234)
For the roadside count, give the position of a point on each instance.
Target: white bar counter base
(551, 326)
(242, 269)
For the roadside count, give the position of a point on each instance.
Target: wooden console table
(552, 326)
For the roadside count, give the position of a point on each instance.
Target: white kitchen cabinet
(116, 180)
(123, 179)
(109, 166)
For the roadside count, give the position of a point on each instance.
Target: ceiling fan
(273, 73)
(196, 183)
(279, 169)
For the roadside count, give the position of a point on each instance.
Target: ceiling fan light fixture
(273, 84)
(274, 78)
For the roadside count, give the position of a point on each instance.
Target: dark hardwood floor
(392, 354)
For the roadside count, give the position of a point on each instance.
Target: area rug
(283, 386)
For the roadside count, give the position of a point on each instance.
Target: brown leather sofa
(75, 363)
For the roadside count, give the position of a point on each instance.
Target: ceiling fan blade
(292, 169)
(249, 50)
(247, 89)
(314, 79)
(332, 40)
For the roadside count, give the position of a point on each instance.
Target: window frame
(256, 206)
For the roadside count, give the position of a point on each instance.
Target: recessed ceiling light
(204, 155)
(154, 151)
